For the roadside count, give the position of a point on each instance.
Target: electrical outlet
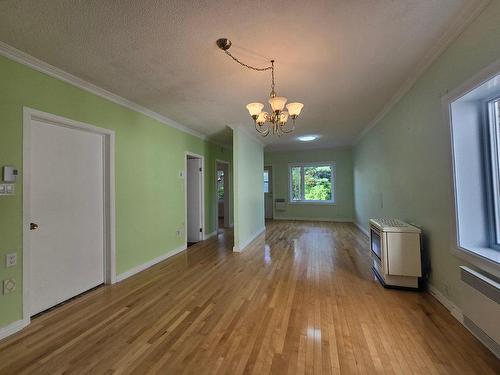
(9, 286)
(10, 259)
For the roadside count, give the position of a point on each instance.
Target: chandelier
(276, 120)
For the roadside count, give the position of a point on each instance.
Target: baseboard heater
(481, 307)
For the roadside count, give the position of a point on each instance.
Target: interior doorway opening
(194, 199)
(222, 194)
(268, 192)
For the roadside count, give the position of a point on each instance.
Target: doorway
(222, 194)
(68, 199)
(194, 198)
(268, 191)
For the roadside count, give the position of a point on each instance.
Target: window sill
(321, 203)
(484, 258)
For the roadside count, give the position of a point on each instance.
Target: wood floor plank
(299, 300)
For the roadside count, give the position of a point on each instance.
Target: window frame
(303, 165)
(492, 167)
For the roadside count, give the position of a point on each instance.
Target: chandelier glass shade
(275, 121)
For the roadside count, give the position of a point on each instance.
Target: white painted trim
(327, 219)
(454, 310)
(13, 328)
(148, 264)
(362, 229)
(202, 211)
(455, 28)
(29, 115)
(209, 235)
(240, 247)
(43, 67)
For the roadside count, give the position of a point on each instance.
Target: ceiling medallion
(276, 119)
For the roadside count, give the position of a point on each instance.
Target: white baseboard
(209, 235)
(362, 229)
(454, 310)
(13, 328)
(239, 248)
(329, 219)
(148, 264)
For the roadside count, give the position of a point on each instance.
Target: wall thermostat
(9, 173)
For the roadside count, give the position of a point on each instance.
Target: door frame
(226, 200)
(108, 136)
(202, 192)
(272, 187)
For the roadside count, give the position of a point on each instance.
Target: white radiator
(481, 308)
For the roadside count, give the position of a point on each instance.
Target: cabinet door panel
(403, 254)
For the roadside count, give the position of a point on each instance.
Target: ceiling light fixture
(277, 119)
(307, 138)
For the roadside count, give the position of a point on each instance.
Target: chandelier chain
(249, 66)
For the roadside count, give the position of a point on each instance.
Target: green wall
(406, 157)
(149, 156)
(342, 210)
(248, 183)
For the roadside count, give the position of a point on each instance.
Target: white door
(66, 193)
(194, 201)
(268, 192)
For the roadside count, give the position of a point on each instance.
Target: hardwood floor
(302, 301)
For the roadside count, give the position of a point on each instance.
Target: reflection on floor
(300, 300)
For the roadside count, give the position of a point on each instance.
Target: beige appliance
(395, 253)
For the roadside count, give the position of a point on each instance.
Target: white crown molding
(453, 31)
(43, 67)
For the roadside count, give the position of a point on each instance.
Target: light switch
(9, 189)
(2, 189)
(9, 173)
(181, 174)
(10, 259)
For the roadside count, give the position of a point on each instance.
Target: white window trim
(481, 258)
(311, 164)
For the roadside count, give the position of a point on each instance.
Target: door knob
(33, 226)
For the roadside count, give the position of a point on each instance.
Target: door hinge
(200, 169)
(201, 230)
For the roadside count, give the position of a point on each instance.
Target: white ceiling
(344, 60)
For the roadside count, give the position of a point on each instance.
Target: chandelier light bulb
(277, 103)
(254, 109)
(294, 109)
(283, 117)
(262, 118)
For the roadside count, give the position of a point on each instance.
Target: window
(474, 119)
(266, 181)
(312, 183)
(494, 166)
(220, 184)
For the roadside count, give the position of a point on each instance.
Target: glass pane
(266, 176)
(220, 185)
(296, 184)
(266, 187)
(318, 183)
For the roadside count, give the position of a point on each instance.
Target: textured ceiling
(343, 59)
